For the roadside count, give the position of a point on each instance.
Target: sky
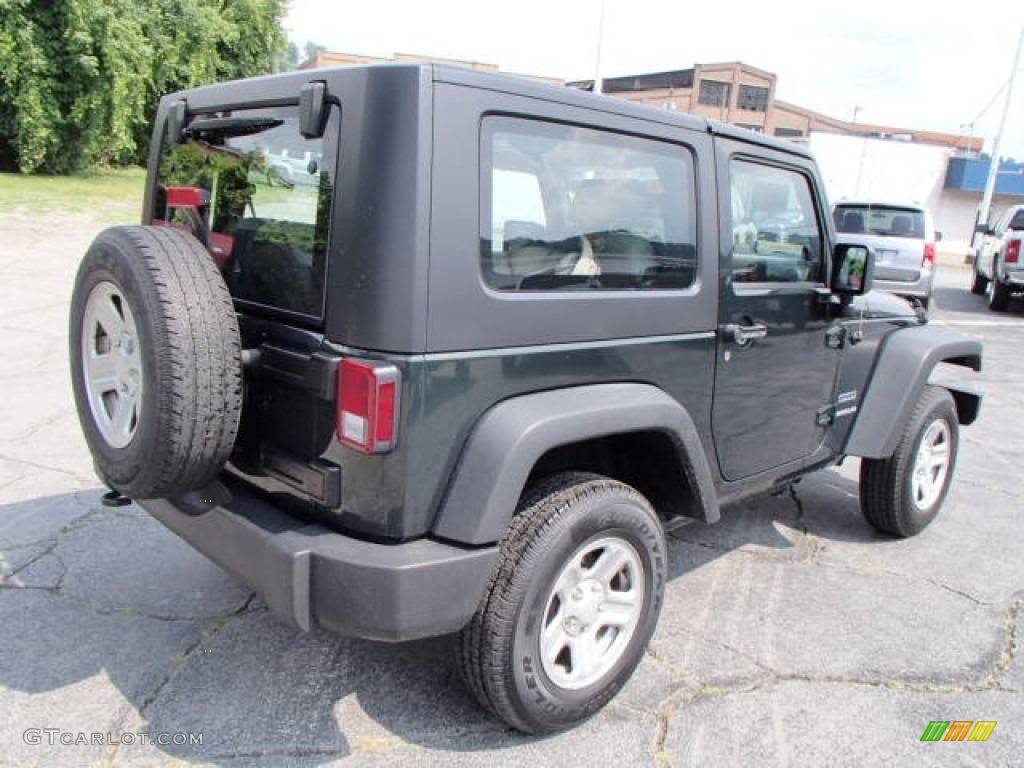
(898, 63)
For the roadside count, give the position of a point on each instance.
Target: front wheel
(902, 494)
(571, 605)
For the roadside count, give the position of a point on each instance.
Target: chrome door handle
(744, 334)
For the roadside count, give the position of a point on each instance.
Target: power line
(991, 101)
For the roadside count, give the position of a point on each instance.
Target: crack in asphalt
(96, 514)
(8, 580)
(1009, 645)
(217, 624)
(814, 545)
(813, 560)
(299, 752)
(660, 746)
(672, 668)
(33, 430)
(991, 488)
(688, 698)
(46, 468)
(815, 548)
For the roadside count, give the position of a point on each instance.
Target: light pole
(598, 84)
(863, 152)
(993, 169)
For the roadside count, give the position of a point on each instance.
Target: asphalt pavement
(792, 634)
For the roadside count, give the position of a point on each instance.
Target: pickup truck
(998, 266)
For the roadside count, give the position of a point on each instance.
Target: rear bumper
(1014, 278)
(921, 287)
(309, 574)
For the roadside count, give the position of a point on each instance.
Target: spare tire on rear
(155, 361)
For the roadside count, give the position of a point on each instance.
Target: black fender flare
(905, 360)
(510, 437)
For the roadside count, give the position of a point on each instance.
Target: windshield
(888, 221)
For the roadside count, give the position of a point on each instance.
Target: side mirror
(853, 269)
(983, 229)
(313, 109)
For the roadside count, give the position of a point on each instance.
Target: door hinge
(825, 415)
(835, 337)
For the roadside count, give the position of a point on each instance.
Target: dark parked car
(464, 380)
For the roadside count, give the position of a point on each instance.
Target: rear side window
(884, 220)
(1017, 222)
(265, 203)
(576, 209)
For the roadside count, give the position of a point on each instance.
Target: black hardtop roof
(518, 84)
(269, 88)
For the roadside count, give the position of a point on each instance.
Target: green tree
(80, 79)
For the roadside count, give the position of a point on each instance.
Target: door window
(776, 237)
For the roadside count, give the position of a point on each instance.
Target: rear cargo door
(259, 194)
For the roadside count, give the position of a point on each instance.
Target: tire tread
(197, 356)
(485, 642)
(882, 480)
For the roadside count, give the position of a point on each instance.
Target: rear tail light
(187, 197)
(368, 405)
(929, 255)
(1013, 251)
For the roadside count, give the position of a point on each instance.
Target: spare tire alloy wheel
(571, 605)
(112, 364)
(155, 361)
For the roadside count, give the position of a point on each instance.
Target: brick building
(743, 95)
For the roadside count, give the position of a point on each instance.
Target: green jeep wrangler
(462, 365)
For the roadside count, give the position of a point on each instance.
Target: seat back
(902, 225)
(853, 222)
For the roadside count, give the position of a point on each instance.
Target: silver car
(903, 239)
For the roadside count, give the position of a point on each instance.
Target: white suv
(903, 239)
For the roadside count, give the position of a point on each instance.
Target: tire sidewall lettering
(539, 697)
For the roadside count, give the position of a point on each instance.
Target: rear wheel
(155, 361)
(998, 295)
(902, 494)
(571, 605)
(980, 282)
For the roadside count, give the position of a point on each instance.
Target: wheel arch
(902, 368)
(613, 429)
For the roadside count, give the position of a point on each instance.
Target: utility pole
(598, 83)
(863, 150)
(993, 170)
